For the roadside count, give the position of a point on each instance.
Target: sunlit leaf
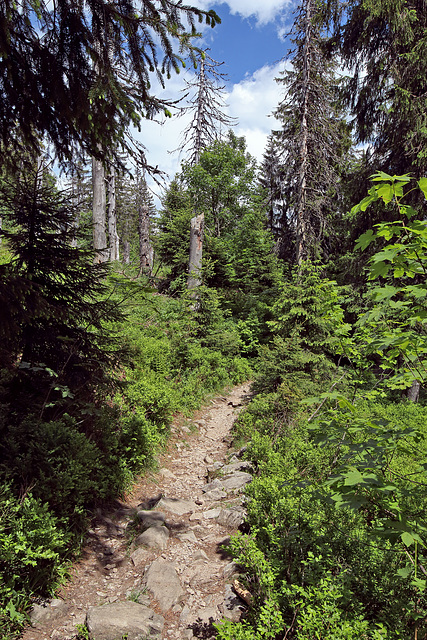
(407, 539)
(422, 183)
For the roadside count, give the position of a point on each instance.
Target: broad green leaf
(353, 477)
(380, 176)
(407, 539)
(408, 211)
(389, 253)
(384, 293)
(422, 183)
(379, 269)
(365, 240)
(386, 192)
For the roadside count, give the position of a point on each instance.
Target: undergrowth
(57, 470)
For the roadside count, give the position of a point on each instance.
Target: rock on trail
(175, 578)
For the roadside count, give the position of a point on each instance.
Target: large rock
(232, 517)
(139, 556)
(187, 536)
(43, 613)
(161, 579)
(232, 483)
(239, 465)
(154, 538)
(130, 619)
(176, 506)
(151, 518)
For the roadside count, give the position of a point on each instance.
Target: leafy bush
(32, 551)
(330, 576)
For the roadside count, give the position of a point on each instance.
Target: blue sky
(243, 44)
(250, 41)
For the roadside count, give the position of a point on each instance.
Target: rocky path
(157, 567)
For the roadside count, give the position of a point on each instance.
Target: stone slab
(130, 619)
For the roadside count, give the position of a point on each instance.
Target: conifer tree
(312, 137)
(384, 45)
(271, 178)
(51, 293)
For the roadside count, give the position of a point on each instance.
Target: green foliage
(393, 327)
(384, 44)
(237, 249)
(54, 304)
(329, 573)
(307, 326)
(172, 242)
(339, 517)
(32, 551)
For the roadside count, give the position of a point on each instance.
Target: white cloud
(251, 101)
(264, 11)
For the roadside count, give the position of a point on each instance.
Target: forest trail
(175, 577)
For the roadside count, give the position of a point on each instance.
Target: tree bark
(301, 221)
(126, 252)
(145, 248)
(196, 251)
(414, 391)
(76, 194)
(99, 206)
(112, 216)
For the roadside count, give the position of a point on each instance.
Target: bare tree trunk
(112, 217)
(414, 391)
(126, 252)
(145, 248)
(99, 206)
(196, 251)
(201, 107)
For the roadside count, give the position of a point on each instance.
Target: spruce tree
(384, 46)
(312, 138)
(52, 304)
(271, 180)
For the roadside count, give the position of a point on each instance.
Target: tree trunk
(126, 252)
(112, 216)
(196, 250)
(414, 391)
(301, 221)
(145, 249)
(99, 206)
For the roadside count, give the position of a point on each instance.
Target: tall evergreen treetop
(313, 136)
